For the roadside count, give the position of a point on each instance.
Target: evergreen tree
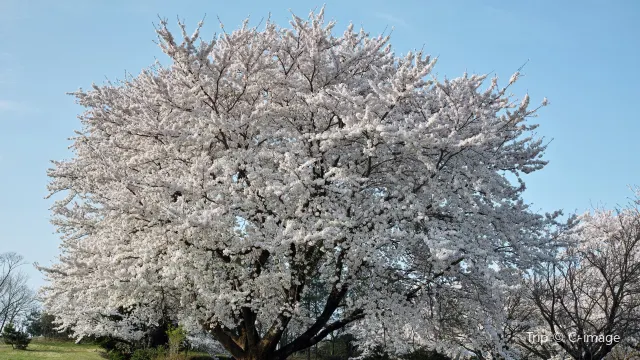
(17, 339)
(34, 325)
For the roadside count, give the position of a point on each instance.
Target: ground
(65, 350)
(44, 349)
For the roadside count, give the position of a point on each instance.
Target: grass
(46, 349)
(54, 349)
(51, 349)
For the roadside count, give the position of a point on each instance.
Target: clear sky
(584, 56)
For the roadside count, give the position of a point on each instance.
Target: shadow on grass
(39, 351)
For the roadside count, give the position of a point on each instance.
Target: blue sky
(583, 56)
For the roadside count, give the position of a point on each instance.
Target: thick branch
(228, 342)
(305, 342)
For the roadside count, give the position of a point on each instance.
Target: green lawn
(48, 349)
(41, 349)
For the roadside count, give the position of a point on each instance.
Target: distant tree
(39, 323)
(33, 323)
(219, 186)
(483, 327)
(16, 298)
(590, 298)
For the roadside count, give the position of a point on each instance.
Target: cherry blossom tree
(583, 305)
(590, 298)
(221, 186)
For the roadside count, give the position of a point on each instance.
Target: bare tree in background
(508, 320)
(9, 262)
(592, 296)
(15, 296)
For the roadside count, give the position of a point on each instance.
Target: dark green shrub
(420, 354)
(124, 349)
(148, 354)
(143, 354)
(155, 336)
(116, 355)
(17, 339)
(425, 354)
(116, 349)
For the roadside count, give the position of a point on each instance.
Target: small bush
(17, 339)
(143, 354)
(177, 339)
(148, 354)
(116, 355)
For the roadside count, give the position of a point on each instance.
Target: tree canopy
(220, 187)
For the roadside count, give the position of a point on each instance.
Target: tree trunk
(245, 343)
(309, 349)
(4, 320)
(333, 344)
